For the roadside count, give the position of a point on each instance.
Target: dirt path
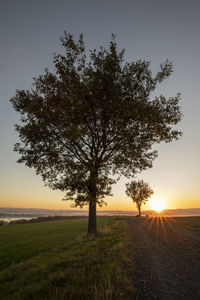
(166, 259)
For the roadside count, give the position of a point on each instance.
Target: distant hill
(10, 212)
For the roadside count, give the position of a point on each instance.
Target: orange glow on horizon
(52, 200)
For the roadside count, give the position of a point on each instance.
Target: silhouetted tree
(91, 119)
(139, 191)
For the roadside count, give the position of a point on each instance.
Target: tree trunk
(139, 211)
(92, 223)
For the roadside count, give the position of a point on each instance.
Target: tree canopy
(91, 118)
(139, 191)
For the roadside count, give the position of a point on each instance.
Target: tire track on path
(166, 260)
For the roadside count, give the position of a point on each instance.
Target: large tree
(93, 118)
(139, 191)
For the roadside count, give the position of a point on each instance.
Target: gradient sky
(154, 30)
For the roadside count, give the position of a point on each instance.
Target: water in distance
(13, 214)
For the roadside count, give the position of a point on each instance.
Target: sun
(157, 204)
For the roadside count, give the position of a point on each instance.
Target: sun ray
(159, 221)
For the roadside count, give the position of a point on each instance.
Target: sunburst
(158, 204)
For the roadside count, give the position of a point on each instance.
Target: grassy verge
(193, 227)
(191, 223)
(55, 260)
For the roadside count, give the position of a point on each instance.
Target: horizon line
(80, 209)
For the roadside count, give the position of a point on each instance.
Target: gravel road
(166, 258)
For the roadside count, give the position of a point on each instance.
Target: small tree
(139, 191)
(93, 118)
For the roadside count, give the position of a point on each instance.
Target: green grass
(195, 227)
(190, 223)
(55, 260)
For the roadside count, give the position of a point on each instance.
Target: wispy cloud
(16, 51)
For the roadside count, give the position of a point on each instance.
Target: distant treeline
(42, 219)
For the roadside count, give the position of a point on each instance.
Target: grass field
(191, 223)
(55, 260)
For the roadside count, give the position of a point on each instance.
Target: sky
(153, 30)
